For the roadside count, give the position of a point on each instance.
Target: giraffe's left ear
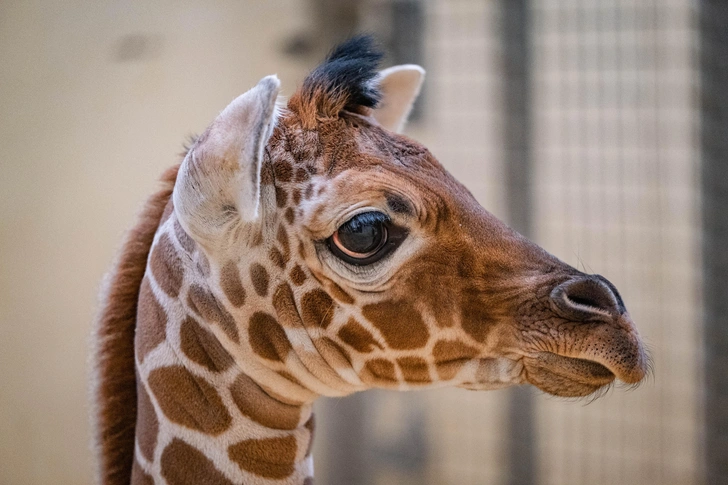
(399, 86)
(218, 186)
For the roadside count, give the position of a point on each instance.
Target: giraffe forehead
(350, 162)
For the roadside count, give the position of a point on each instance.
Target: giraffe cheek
(267, 337)
(477, 317)
(317, 309)
(450, 356)
(357, 337)
(414, 370)
(400, 324)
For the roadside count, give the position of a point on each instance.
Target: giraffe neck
(227, 430)
(209, 407)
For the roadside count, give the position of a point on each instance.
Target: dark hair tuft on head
(344, 79)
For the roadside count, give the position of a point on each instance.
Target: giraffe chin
(493, 373)
(566, 376)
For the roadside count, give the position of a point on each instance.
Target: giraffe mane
(344, 81)
(113, 383)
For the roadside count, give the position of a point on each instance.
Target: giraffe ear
(399, 86)
(218, 185)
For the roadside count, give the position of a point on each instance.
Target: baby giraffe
(309, 250)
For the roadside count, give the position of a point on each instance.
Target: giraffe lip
(575, 368)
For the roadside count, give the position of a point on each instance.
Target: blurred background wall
(597, 128)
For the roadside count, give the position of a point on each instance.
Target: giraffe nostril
(587, 296)
(583, 300)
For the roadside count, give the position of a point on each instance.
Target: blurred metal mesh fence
(613, 150)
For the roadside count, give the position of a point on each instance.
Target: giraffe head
(355, 245)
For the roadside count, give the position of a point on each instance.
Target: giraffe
(306, 250)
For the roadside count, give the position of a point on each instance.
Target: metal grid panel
(466, 429)
(615, 179)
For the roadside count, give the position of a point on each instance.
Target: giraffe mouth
(566, 376)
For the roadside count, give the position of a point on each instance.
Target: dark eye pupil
(365, 238)
(361, 234)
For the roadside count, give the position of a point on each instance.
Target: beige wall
(84, 135)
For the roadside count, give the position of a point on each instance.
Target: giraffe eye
(365, 238)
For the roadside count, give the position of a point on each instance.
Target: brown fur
(114, 392)
(268, 457)
(256, 404)
(189, 400)
(183, 464)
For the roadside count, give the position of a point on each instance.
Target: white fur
(223, 169)
(400, 86)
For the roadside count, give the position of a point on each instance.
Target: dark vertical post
(406, 42)
(714, 164)
(515, 27)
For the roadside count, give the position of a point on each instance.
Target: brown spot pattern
(166, 266)
(344, 359)
(139, 476)
(276, 257)
(204, 303)
(302, 175)
(282, 238)
(448, 370)
(296, 196)
(450, 356)
(188, 400)
(449, 350)
(357, 337)
(281, 197)
(311, 427)
(289, 215)
(259, 277)
(476, 318)
(414, 369)
(282, 170)
(285, 305)
(267, 337)
(187, 243)
(257, 239)
(254, 403)
(317, 308)
(268, 458)
(231, 284)
(201, 346)
(289, 377)
(203, 264)
(183, 464)
(297, 275)
(151, 322)
(443, 308)
(147, 425)
(339, 294)
(399, 322)
(382, 369)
